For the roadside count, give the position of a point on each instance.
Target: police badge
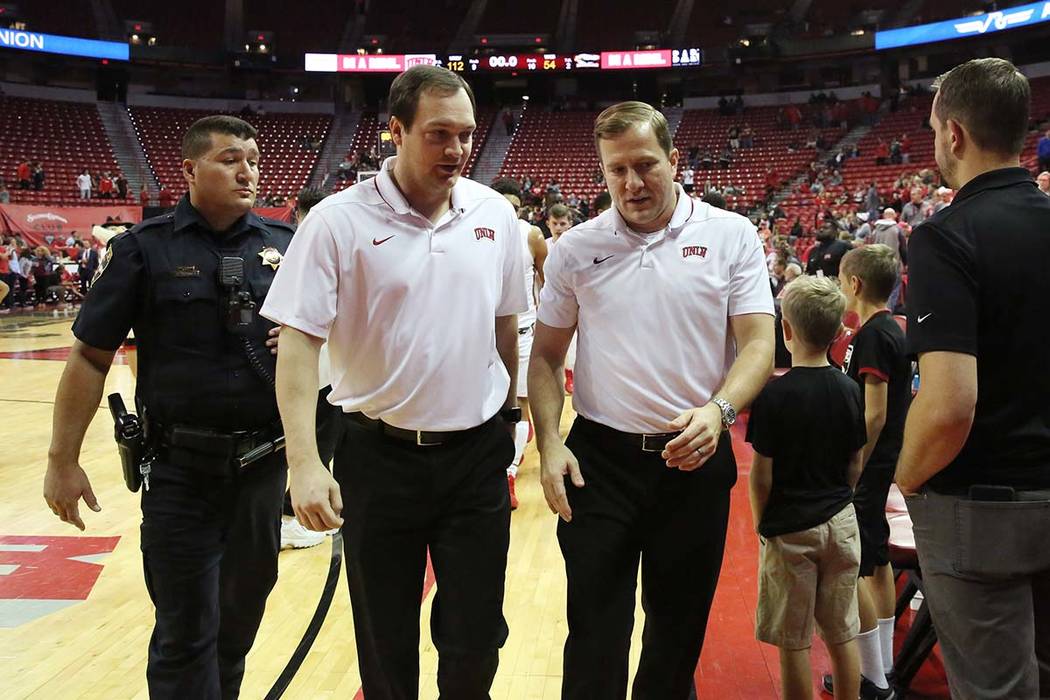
(271, 257)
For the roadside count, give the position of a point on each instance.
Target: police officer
(190, 283)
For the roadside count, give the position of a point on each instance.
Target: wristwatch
(511, 415)
(728, 412)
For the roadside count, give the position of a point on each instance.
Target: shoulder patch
(104, 262)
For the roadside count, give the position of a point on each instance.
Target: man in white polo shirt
(415, 279)
(671, 303)
(535, 250)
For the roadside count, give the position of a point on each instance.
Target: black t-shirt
(879, 349)
(826, 257)
(978, 285)
(810, 422)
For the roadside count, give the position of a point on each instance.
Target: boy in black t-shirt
(876, 359)
(807, 429)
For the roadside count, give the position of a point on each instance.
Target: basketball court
(75, 617)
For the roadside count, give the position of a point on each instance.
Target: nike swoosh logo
(599, 261)
(381, 242)
(923, 318)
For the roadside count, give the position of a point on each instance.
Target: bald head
(1043, 180)
(889, 213)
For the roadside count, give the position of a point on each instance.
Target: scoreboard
(509, 63)
(522, 62)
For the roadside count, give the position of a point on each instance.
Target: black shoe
(868, 690)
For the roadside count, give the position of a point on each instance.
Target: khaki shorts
(806, 576)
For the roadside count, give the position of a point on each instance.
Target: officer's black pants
(209, 547)
(399, 500)
(634, 507)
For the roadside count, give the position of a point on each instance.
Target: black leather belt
(646, 442)
(422, 438)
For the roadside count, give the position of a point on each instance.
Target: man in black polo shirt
(975, 464)
(824, 259)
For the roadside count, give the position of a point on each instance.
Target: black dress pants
(634, 509)
(399, 500)
(209, 550)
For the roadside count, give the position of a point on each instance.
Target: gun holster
(129, 432)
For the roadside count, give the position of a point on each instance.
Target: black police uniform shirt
(161, 278)
(978, 284)
(826, 256)
(810, 422)
(879, 349)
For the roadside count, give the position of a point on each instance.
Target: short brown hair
(814, 307)
(407, 88)
(876, 266)
(197, 139)
(558, 211)
(626, 115)
(991, 98)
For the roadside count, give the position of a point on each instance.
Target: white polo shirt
(408, 307)
(652, 311)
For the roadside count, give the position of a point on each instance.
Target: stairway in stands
(127, 148)
(340, 136)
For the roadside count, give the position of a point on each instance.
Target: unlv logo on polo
(485, 233)
(698, 250)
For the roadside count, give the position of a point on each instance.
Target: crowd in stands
(58, 271)
(30, 175)
(353, 163)
(104, 185)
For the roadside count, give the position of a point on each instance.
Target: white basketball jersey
(527, 318)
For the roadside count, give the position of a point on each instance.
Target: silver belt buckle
(419, 440)
(645, 444)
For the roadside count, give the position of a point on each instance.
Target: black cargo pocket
(1001, 538)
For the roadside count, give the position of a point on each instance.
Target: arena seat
(285, 165)
(708, 129)
(66, 137)
(555, 145)
(368, 128)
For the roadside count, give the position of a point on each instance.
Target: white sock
(886, 641)
(871, 658)
(521, 436)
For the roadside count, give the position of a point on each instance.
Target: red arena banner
(34, 222)
(616, 60)
(366, 63)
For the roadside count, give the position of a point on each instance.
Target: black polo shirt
(826, 257)
(162, 279)
(979, 284)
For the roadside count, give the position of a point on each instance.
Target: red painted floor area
(734, 664)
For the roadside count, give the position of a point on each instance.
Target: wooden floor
(96, 647)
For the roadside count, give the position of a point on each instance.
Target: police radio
(240, 308)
